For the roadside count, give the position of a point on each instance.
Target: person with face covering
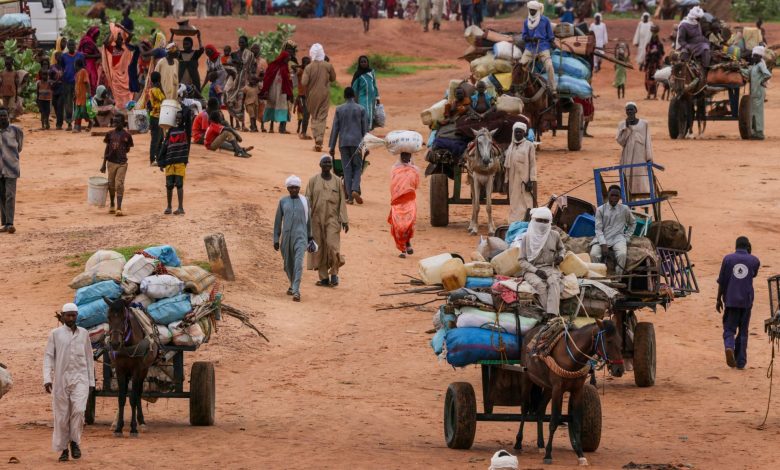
(328, 219)
(541, 252)
(317, 79)
(277, 91)
(599, 30)
(520, 174)
(642, 37)
(404, 182)
(634, 136)
(691, 39)
(759, 75)
(68, 375)
(292, 234)
(538, 37)
(168, 69)
(615, 224)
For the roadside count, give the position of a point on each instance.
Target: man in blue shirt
(538, 38)
(735, 290)
(68, 66)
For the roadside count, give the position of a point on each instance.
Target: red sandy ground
(341, 385)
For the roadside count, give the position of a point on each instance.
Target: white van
(48, 17)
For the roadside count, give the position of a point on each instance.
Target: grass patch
(336, 94)
(78, 23)
(79, 260)
(386, 66)
(205, 265)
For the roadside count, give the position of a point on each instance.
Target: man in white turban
(68, 374)
(538, 38)
(317, 78)
(292, 234)
(691, 39)
(633, 135)
(759, 75)
(520, 174)
(540, 254)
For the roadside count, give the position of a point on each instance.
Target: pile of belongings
(172, 303)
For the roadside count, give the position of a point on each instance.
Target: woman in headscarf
(277, 91)
(317, 79)
(654, 56)
(105, 106)
(520, 174)
(116, 65)
(59, 46)
(404, 182)
(215, 72)
(88, 46)
(147, 63)
(366, 91)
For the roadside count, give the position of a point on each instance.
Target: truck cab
(48, 18)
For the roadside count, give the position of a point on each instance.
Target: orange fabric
(117, 70)
(81, 87)
(403, 204)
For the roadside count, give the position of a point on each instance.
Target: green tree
(751, 10)
(271, 42)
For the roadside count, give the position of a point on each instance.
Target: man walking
(614, 226)
(349, 127)
(292, 234)
(317, 78)
(11, 138)
(634, 136)
(68, 374)
(735, 291)
(68, 67)
(328, 217)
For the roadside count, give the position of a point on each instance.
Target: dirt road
(341, 385)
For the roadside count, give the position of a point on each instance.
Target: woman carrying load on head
(404, 182)
(366, 91)
(88, 46)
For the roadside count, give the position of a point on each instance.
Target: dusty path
(343, 386)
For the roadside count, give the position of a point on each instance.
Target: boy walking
(44, 94)
(8, 89)
(251, 102)
(118, 143)
(80, 96)
(173, 159)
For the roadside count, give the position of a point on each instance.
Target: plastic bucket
(168, 112)
(430, 268)
(97, 191)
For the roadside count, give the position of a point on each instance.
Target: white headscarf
(693, 15)
(597, 15)
(518, 125)
(533, 20)
(317, 53)
(759, 51)
(538, 233)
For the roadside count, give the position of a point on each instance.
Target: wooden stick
(243, 317)
(612, 59)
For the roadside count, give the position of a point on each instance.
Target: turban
(70, 307)
(292, 180)
(695, 13)
(631, 103)
(597, 15)
(534, 5)
(520, 125)
(317, 53)
(759, 51)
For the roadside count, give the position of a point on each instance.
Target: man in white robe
(68, 374)
(642, 36)
(634, 136)
(599, 30)
(520, 174)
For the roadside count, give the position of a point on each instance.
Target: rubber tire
(743, 117)
(89, 413)
(440, 209)
(574, 139)
(674, 123)
(202, 394)
(591, 419)
(644, 354)
(460, 415)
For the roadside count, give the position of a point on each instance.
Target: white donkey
(483, 161)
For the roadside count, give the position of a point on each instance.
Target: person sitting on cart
(691, 39)
(482, 102)
(457, 108)
(614, 226)
(538, 38)
(541, 252)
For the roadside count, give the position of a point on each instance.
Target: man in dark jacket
(349, 126)
(173, 159)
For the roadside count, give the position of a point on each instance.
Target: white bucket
(168, 112)
(138, 120)
(97, 191)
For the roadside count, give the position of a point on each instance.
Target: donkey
(483, 161)
(534, 93)
(565, 370)
(131, 355)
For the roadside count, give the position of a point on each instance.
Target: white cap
(292, 180)
(759, 50)
(70, 307)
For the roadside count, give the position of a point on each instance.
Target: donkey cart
(501, 387)
(168, 383)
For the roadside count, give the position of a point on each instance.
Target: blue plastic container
(166, 254)
(584, 226)
(479, 282)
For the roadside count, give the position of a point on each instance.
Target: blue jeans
(736, 319)
(352, 162)
(465, 13)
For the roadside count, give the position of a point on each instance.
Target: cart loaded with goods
(177, 307)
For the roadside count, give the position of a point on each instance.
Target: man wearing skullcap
(759, 75)
(328, 217)
(292, 233)
(538, 37)
(520, 174)
(68, 374)
(634, 136)
(169, 72)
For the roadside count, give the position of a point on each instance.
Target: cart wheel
(202, 394)
(89, 413)
(745, 128)
(644, 354)
(440, 210)
(575, 128)
(591, 419)
(460, 415)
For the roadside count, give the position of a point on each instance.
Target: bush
(271, 42)
(751, 10)
(78, 23)
(24, 60)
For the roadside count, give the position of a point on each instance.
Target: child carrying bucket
(118, 143)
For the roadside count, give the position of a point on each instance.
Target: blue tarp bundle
(92, 314)
(572, 86)
(165, 253)
(89, 294)
(564, 63)
(515, 229)
(469, 345)
(169, 310)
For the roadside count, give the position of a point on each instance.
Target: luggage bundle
(178, 303)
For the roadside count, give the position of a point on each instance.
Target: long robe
(69, 366)
(293, 226)
(520, 164)
(637, 148)
(88, 46)
(424, 12)
(234, 96)
(367, 93)
(437, 10)
(328, 206)
(317, 78)
(118, 76)
(159, 42)
(641, 38)
(404, 182)
(758, 73)
(653, 60)
(169, 78)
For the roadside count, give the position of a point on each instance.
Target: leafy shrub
(27, 61)
(271, 42)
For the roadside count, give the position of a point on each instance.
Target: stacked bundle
(181, 302)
